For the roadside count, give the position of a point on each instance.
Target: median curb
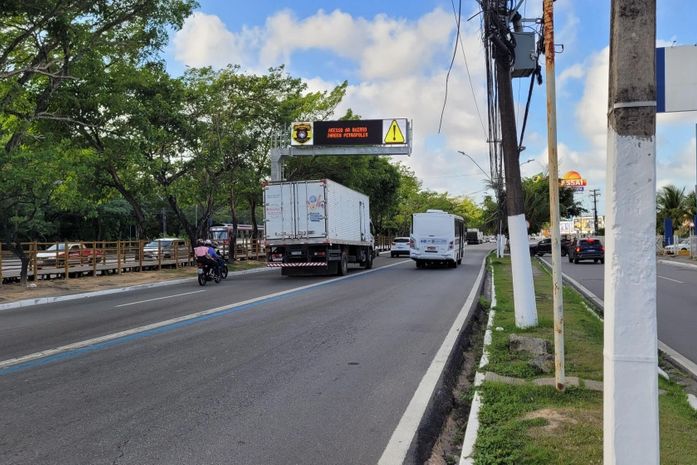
(85, 295)
(680, 264)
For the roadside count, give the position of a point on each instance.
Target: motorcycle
(207, 273)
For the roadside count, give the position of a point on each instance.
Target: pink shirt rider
(201, 251)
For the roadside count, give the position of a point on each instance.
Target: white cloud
(575, 71)
(204, 40)
(678, 170)
(591, 110)
(337, 31)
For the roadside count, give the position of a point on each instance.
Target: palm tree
(671, 202)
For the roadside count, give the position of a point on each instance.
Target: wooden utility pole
(630, 401)
(523, 286)
(557, 286)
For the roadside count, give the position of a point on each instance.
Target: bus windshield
(432, 225)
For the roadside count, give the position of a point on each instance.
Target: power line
(452, 61)
(469, 77)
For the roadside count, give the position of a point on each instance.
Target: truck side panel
(348, 214)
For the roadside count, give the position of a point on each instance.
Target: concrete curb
(472, 428)
(85, 295)
(678, 264)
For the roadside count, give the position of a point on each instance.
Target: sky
(396, 55)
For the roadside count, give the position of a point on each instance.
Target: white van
(437, 237)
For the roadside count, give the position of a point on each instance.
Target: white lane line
(191, 316)
(159, 298)
(397, 448)
(670, 279)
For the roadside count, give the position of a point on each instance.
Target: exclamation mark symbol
(397, 135)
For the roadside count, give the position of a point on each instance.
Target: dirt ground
(57, 287)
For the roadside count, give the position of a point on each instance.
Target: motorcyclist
(219, 262)
(203, 255)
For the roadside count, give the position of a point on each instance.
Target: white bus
(437, 237)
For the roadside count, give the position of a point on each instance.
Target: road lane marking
(397, 448)
(671, 279)
(45, 357)
(159, 298)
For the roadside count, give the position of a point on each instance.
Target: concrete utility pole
(595, 193)
(630, 401)
(523, 285)
(557, 287)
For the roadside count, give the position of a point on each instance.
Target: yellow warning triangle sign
(394, 134)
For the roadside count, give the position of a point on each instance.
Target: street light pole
(475, 162)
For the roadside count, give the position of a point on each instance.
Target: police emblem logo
(301, 134)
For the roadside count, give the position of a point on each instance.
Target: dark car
(587, 249)
(545, 246)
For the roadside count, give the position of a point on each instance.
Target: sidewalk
(522, 418)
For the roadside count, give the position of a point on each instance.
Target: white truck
(316, 227)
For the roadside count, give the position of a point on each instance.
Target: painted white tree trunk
(630, 400)
(521, 266)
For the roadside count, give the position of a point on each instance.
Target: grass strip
(530, 425)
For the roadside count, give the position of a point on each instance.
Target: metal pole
(630, 394)
(557, 294)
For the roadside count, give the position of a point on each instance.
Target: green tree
(671, 202)
(44, 45)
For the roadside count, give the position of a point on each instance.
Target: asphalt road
(319, 375)
(676, 300)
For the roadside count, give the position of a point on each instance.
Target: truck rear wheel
(343, 266)
(368, 261)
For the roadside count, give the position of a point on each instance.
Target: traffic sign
(393, 131)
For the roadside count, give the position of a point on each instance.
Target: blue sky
(395, 56)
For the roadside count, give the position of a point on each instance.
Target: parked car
(681, 248)
(400, 246)
(164, 246)
(77, 253)
(587, 249)
(545, 246)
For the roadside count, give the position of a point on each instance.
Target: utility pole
(595, 193)
(630, 394)
(557, 286)
(523, 286)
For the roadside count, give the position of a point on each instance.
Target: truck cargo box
(320, 211)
